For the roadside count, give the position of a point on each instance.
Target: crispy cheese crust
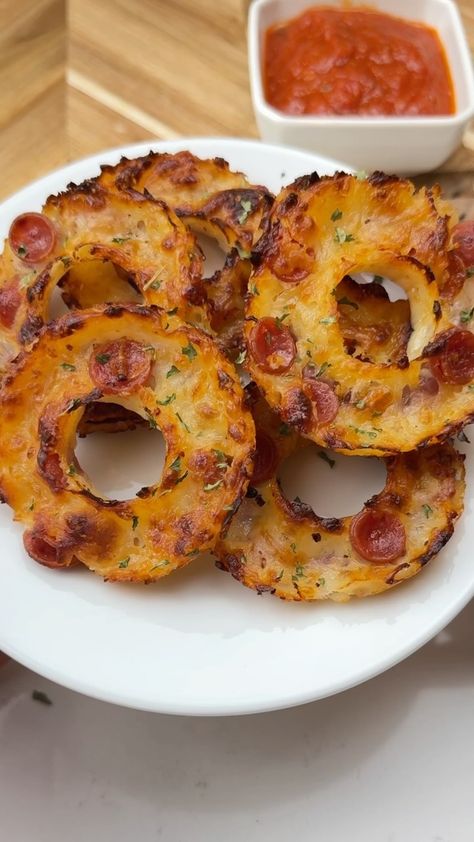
(320, 231)
(281, 546)
(210, 199)
(175, 379)
(140, 236)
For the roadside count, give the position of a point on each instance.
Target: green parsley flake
(345, 300)
(329, 320)
(254, 290)
(159, 565)
(243, 253)
(124, 563)
(222, 459)
(68, 366)
(293, 547)
(151, 419)
(246, 209)
(372, 434)
(176, 465)
(120, 240)
(172, 312)
(280, 575)
(172, 371)
(341, 236)
(22, 251)
(324, 367)
(102, 358)
(180, 479)
(280, 319)
(321, 582)
(299, 573)
(323, 455)
(336, 215)
(470, 272)
(361, 404)
(178, 416)
(427, 510)
(72, 470)
(466, 316)
(169, 399)
(31, 506)
(377, 279)
(189, 351)
(241, 358)
(212, 485)
(135, 521)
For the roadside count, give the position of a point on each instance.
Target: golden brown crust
(320, 231)
(170, 378)
(210, 199)
(281, 546)
(140, 236)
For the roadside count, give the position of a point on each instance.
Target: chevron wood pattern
(81, 76)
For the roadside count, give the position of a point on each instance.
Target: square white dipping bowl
(406, 145)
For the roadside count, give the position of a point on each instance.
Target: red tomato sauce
(356, 61)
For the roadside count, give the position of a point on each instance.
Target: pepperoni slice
(325, 401)
(455, 364)
(378, 535)
(40, 547)
(10, 300)
(121, 366)
(463, 237)
(272, 346)
(49, 465)
(32, 237)
(266, 458)
(291, 264)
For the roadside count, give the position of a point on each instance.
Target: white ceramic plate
(200, 643)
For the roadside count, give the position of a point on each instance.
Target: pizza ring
(212, 200)
(281, 546)
(180, 383)
(296, 351)
(205, 194)
(87, 224)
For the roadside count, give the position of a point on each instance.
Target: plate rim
(194, 708)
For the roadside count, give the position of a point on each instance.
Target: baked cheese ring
(296, 350)
(281, 546)
(88, 224)
(206, 194)
(212, 200)
(180, 383)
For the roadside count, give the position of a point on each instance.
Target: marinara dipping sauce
(356, 61)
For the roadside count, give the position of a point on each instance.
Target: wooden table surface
(79, 77)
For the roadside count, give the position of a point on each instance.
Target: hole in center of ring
(91, 283)
(119, 464)
(374, 318)
(333, 485)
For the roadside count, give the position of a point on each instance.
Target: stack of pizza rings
(150, 339)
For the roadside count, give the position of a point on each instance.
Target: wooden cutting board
(119, 71)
